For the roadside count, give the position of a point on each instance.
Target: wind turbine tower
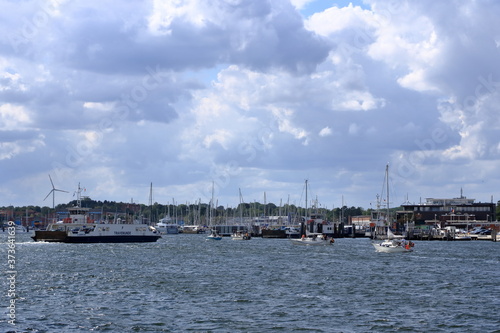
(53, 191)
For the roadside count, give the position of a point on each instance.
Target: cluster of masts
(213, 203)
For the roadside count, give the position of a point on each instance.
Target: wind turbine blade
(48, 194)
(60, 190)
(53, 187)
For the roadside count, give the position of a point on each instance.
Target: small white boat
(313, 239)
(167, 228)
(309, 237)
(462, 237)
(241, 236)
(192, 229)
(394, 246)
(214, 236)
(392, 243)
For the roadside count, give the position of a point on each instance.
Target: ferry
(80, 228)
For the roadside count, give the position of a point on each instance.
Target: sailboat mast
(241, 206)
(168, 210)
(150, 203)
(265, 205)
(307, 213)
(387, 188)
(211, 206)
(279, 213)
(306, 198)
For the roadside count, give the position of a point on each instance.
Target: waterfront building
(461, 212)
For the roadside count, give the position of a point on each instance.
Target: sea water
(184, 283)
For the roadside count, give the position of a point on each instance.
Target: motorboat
(313, 239)
(214, 235)
(241, 236)
(462, 237)
(192, 229)
(167, 228)
(394, 246)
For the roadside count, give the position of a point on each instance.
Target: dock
(451, 235)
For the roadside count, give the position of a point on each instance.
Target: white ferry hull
(112, 239)
(97, 233)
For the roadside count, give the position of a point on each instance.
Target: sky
(207, 99)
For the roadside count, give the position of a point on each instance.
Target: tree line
(198, 213)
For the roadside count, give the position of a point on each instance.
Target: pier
(452, 233)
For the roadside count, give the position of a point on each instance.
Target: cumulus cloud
(325, 131)
(13, 117)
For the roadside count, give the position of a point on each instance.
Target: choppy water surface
(185, 283)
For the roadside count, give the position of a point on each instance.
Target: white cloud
(299, 4)
(335, 20)
(284, 118)
(327, 131)
(13, 117)
(165, 12)
(98, 106)
(218, 136)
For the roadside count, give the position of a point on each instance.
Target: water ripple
(184, 283)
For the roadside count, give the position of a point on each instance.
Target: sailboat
(214, 235)
(311, 238)
(239, 234)
(391, 243)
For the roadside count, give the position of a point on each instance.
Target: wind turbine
(53, 191)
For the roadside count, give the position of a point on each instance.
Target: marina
(85, 221)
